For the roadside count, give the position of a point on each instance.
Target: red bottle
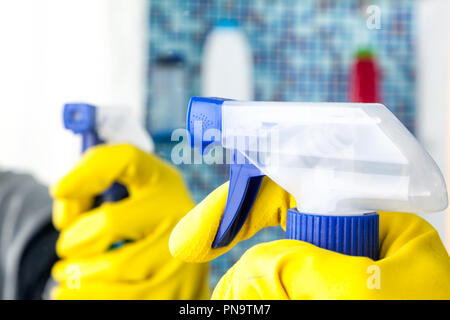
(365, 78)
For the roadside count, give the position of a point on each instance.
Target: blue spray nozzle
(80, 118)
(204, 114)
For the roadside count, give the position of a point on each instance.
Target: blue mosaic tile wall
(302, 51)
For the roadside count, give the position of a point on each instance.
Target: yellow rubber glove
(142, 269)
(413, 262)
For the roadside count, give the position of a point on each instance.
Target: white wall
(433, 90)
(55, 51)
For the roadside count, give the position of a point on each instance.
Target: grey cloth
(26, 236)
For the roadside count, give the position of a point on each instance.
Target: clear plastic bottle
(336, 158)
(227, 66)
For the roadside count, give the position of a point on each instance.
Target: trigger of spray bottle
(245, 179)
(80, 118)
(353, 235)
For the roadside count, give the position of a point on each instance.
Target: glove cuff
(355, 235)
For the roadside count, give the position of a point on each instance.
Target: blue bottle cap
(353, 235)
(227, 23)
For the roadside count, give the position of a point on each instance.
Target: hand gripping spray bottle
(100, 125)
(342, 162)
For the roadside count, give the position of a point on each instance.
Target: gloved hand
(141, 269)
(413, 262)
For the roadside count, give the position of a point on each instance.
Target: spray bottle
(100, 125)
(342, 162)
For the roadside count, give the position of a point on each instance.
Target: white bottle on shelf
(227, 66)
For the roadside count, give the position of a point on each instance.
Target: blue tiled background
(302, 51)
